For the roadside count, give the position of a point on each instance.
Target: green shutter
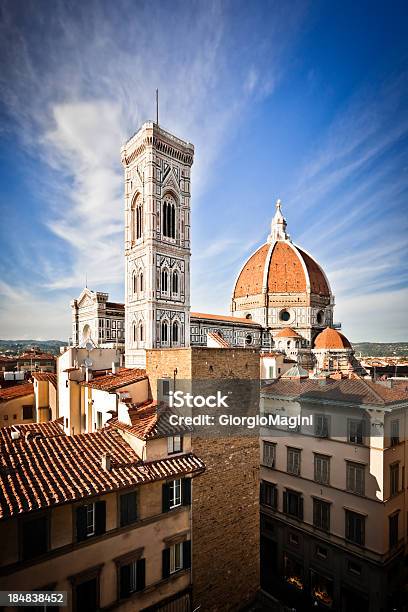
(187, 554)
(100, 517)
(124, 581)
(81, 523)
(166, 497)
(166, 562)
(186, 492)
(141, 574)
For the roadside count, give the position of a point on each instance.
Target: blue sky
(305, 101)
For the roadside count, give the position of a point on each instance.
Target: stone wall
(225, 510)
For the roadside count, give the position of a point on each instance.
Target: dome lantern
(278, 225)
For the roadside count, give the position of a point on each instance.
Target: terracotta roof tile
(219, 339)
(46, 430)
(110, 382)
(44, 376)
(16, 391)
(44, 472)
(222, 318)
(148, 420)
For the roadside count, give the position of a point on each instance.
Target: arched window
(164, 331)
(141, 332)
(175, 282)
(164, 280)
(134, 280)
(136, 219)
(175, 332)
(169, 217)
(134, 332)
(141, 281)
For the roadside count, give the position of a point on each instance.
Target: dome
(284, 268)
(287, 332)
(331, 339)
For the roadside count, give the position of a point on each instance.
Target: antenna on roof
(86, 280)
(157, 107)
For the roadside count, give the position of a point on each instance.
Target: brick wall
(225, 512)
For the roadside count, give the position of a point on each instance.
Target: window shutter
(166, 562)
(81, 523)
(262, 492)
(275, 497)
(128, 508)
(285, 502)
(187, 554)
(301, 508)
(100, 517)
(186, 493)
(165, 497)
(141, 574)
(124, 581)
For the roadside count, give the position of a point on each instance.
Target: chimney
(15, 435)
(106, 462)
(113, 367)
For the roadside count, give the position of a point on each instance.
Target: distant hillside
(381, 349)
(19, 346)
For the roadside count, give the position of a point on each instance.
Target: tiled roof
(285, 273)
(36, 357)
(46, 430)
(296, 371)
(331, 339)
(222, 318)
(44, 472)
(287, 332)
(10, 393)
(44, 376)
(355, 391)
(110, 382)
(148, 420)
(219, 339)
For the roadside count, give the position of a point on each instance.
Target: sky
(302, 101)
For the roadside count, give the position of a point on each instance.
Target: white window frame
(355, 478)
(292, 463)
(269, 454)
(90, 520)
(133, 577)
(174, 444)
(175, 494)
(176, 557)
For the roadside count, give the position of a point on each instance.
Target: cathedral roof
(279, 266)
(287, 332)
(331, 339)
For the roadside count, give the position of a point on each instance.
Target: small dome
(287, 332)
(331, 339)
(297, 372)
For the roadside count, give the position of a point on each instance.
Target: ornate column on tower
(157, 241)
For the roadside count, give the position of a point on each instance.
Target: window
(174, 444)
(176, 557)
(164, 281)
(354, 568)
(90, 520)
(248, 339)
(269, 494)
(114, 324)
(134, 283)
(322, 469)
(176, 493)
(27, 412)
(34, 537)
(284, 315)
(134, 332)
(169, 217)
(394, 433)
(128, 508)
(321, 425)
(355, 527)
(132, 577)
(141, 282)
(355, 431)
(293, 461)
(175, 333)
(394, 479)
(393, 530)
(175, 282)
(293, 504)
(321, 514)
(141, 332)
(269, 454)
(164, 331)
(355, 477)
(99, 420)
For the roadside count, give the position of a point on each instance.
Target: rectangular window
(128, 508)
(107, 322)
(269, 454)
(174, 444)
(108, 335)
(27, 412)
(175, 493)
(322, 469)
(90, 520)
(34, 537)
(113, 334)
(98, 420)
(132, 577)
(269, 494)
(355, 431)
(271, 372)
(294, 461)
(394, 433)
(293, 504)
(355, 527)
(114, 324)
(355, 478)
(394, 479)
(321, 514)
(321, 425)
(176, 557)
(393, 530)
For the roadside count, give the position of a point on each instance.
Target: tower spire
(278, 225)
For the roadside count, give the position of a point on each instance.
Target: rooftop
(222, 318)
(15, 391)
(146, 421)
(111, 382)
(44, 376)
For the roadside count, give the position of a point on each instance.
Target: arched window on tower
(136, 221)
(134, 282)
(164, 281)
(164, 332)
(169, 217)
(141, 333)
(134, 332)
(175, 282)
(141, 282)
(175, 332)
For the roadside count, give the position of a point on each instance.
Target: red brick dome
(331, 339)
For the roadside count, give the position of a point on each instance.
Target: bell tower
(157, 242)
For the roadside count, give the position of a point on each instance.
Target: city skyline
(325, 132)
